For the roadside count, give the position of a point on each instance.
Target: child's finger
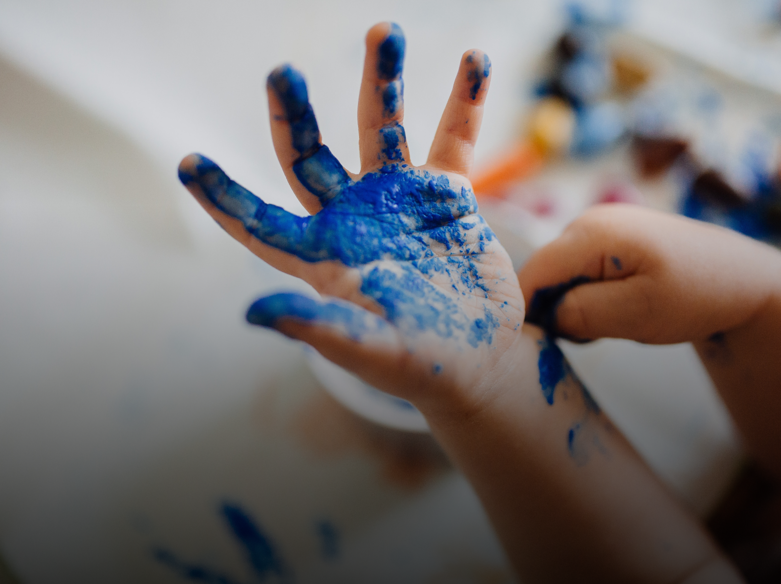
(314, 174)
(344, 333)
(255, 220)
(454, 142)
(608, 309)
(580, 258)
(381, 101)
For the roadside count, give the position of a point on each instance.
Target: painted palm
(423, 275)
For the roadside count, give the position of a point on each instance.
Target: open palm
(431, 298)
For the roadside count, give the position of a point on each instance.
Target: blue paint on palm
(400, 215)
(415, 237)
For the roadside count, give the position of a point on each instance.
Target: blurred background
(148, 434)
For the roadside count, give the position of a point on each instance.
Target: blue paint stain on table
(257, 547)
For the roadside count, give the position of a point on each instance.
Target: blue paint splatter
(191, 572)
(393, 136)
(545, 302)
(437, 369)
(616, 262)
(477, 73)
(552, 367)
(392, 98)
(390, 54)
(258, 549)
(329, 539)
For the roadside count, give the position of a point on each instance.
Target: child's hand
(628, 272)
(431, 298)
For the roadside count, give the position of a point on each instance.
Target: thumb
(583, 285)
(350, 336)
(612, 308)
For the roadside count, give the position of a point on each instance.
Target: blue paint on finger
(390, 54)
(290, 88)
(268, 223)
(392, 137)
(545, 302)
(322, 174)
(393, 98)
(268, 311)
(413, 217)
(477, 73)
(616, 262)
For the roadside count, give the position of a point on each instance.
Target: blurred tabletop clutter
(148, 434)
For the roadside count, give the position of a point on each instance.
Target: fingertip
(388, 38)
(268, 310)
(289, 86)
(477, 66)
(193, 167)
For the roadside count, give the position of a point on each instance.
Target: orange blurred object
(549, 130)
(523, 160)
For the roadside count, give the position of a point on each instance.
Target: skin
(567, 495)
(680, 281)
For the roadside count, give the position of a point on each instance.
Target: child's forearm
(568, 496)
(745, 366)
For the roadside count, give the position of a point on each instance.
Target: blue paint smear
(392, 98)
(259, 549)
(191, 572)
(477, 73)
(289, 86)
(321, 174)
(390, 54)
(552, 367)
(267, 312)
(392, 137)
(316, 168)
(617, 263)
(329, 539)
(393, 214)
(545, 302)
